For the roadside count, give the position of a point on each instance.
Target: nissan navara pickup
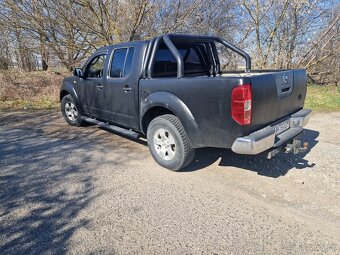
(172, 90)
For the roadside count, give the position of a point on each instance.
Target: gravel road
(88, 191)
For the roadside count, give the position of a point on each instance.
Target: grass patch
(21, 90)
(42, 103)
(323, 98)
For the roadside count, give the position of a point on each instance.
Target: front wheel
(70, 111)
(168, 142)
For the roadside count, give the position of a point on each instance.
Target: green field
(323, 98)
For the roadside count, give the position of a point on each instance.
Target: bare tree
(322, 57)
(264, 17)
(25, 20)
(277, 33)
(5, 54)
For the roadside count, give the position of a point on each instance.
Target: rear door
(120, 88)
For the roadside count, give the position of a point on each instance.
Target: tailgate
(277, 94)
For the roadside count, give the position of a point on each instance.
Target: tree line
(37, 34)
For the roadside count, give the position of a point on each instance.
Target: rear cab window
(195, 58)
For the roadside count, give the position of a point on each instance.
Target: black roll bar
(177, 55)
(238, 51)
(147, 57)
(151, 59)
(179, 60)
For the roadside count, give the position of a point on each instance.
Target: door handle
(126, 88)
(99, 87)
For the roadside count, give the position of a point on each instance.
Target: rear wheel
(70, 111)
(168, 142)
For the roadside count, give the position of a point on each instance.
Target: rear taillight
(241, 97)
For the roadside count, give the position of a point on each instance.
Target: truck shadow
(47, 181)
(276, 167)
(36, 209)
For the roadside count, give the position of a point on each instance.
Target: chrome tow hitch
(293, 147)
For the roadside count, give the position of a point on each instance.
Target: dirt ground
(85, 190)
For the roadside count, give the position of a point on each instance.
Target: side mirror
(78, 72)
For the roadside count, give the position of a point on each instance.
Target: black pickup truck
(173, 90)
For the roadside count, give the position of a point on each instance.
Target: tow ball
(293, 147)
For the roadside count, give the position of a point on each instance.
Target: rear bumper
(266, 138)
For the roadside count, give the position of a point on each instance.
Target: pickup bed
(172, 90)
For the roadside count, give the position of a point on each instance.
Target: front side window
(121, 62)
(96, 66)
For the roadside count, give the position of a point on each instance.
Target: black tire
(183, 151)
(77, 119)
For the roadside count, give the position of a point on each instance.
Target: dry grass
(33, 90)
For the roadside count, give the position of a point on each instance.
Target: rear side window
(128, 61)
(121, 62)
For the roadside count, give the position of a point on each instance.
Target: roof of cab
(125, 44)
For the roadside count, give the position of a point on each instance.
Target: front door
(120, 88)
(93, 86)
